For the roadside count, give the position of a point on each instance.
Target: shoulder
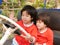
(20, 23)
(49, 30)
(34, 26)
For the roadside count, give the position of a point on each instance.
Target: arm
(49, 36)
(50, 39)
(33, 35)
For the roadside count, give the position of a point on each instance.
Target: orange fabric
(46, 37)
(41, 39)
(31, 30)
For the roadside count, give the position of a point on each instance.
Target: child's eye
(27, 16)
(40, 22)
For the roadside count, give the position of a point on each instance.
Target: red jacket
(46, 37)
(32, 30)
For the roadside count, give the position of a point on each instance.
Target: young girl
(42, 25)
(28, 15)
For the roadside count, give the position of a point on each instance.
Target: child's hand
(31, 39)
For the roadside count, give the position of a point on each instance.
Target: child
(28, 15)
(11, 15)
(42, 25)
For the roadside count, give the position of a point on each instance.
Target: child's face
(26, 18)
(40, 24)
(11, 15)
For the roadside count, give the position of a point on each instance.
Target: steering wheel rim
(14, 23)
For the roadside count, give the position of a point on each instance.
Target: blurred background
(16, 5)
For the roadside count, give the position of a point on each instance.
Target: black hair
(31, 11)
(45, 18)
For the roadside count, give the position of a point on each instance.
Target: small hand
(31, 39)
